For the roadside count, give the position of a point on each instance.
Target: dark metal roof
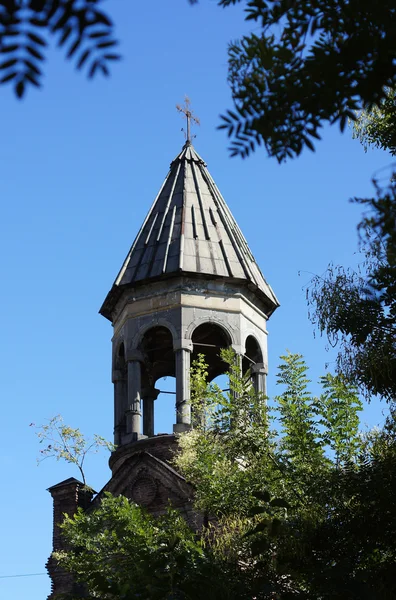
(189, 229)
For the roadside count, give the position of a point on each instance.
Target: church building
(188, 285)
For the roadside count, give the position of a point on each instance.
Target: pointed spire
(190, 230)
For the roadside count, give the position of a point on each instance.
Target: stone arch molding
(120, 341)
(159, 322)
(216, 321)
(251, 333)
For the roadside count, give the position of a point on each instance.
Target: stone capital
(134, 355)
(259, 368)
(183, 344)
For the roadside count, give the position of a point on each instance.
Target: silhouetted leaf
(31, 77)
(108, 44)
(73, 48)
(93, 69)
(83, 58)
(8, 63)
(20, 88)
(34, 52)
(9, 77)
(36, 39)
(11, 48)
(31, 66)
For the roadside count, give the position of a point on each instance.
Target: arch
(209, 338)
(137, 338)
(253, 353)
(210, 319)
(156, 344)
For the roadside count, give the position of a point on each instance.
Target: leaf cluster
(303, 513)
(356, 309)
(307, 62)
(63, 442)
(241, 445)
(376, 125)
(79, 26)
(121, 553)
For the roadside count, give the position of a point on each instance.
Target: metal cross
(189, 116)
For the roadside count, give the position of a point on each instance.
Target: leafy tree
(376, 126)
(271, 531)
(306, 63)
(231, 439)
(356, 309)
(338, 408)
(351, 551)
(305, 538)
(123, 552)
(65, 443)
(300, 441)
(79, 26)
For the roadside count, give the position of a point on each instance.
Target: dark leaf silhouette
(78, 25)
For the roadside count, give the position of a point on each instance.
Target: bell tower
(188, 285)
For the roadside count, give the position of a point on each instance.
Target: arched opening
(253, 360)
(253, 354)
(208, 339)
(157, 347)
(159, 363)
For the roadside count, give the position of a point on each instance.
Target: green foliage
(304, 514)
(297, 529)
(79, 26)
(230, 441)
(125, 552)
(356, 309)
(122, 553)
(63, 442)
(352, 550)
(300, 442)
(338, 407)
(307, 62)
(376, 125)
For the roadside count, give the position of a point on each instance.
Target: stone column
(259, 378)
(134, 413)
(183, 407)
(120, 404)
(149, 395)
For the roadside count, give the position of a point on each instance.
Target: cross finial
(189, 116)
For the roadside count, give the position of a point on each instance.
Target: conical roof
(189, 229)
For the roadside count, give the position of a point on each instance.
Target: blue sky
(80, 165)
